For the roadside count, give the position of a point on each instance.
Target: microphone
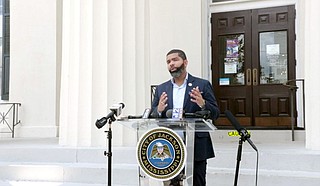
(205, 114)
(175, 113)
(242, 131)
(134, 117)
(145, 115)
(116, 110)
(189, 115)
(169, 113)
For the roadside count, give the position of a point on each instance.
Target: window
(1, 28)
(5, 48)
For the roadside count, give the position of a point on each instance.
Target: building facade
(71, 60)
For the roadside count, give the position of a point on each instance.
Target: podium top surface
(186, 124)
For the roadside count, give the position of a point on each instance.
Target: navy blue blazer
(203, 144)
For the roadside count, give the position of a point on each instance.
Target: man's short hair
(180, 53)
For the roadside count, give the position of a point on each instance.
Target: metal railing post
(293, 89)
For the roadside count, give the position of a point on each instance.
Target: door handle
(255, 76)
(248, 78)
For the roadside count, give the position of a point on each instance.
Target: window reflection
(273, 57)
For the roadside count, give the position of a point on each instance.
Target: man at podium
(192, 94)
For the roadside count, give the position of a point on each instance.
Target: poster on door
(232, 48)
(230, 67)
(231, 59)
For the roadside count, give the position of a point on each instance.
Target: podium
(183, 129)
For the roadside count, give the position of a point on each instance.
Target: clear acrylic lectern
(187, 127)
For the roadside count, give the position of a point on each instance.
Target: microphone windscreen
(134, 117)
(122, 105)
(203, 114)
(169, 113)
(101, 122)
(233, 120)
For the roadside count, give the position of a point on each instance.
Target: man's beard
(178, 71)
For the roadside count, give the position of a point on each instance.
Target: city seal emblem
(161, 153)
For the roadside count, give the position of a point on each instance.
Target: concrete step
(226, 177)
(43, 161)
(39, 183)
(86, 173)
(272, 156)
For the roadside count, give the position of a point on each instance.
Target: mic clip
(244, 134)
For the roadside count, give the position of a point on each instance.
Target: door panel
(253, 56)
(273, 41)
(232, 38)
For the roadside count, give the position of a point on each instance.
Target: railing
(293, 89)
(9, 117)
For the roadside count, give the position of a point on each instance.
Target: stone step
(285, 156)
(273, 156)
(127, 175)
(40, 183)
(88, 173)
(281, 162)
(226, 177)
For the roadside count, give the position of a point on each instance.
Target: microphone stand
(241, 140)
(243, 137)
(109, 142)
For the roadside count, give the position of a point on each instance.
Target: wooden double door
(253, 56)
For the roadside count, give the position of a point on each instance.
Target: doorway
(253, 56)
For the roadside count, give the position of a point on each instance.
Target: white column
(131, 83)
(115, 74)
(99, 67)
(85, 73)
(69, 95)
(312, 68)
(106, 59)
(76, 74)
(98, 70)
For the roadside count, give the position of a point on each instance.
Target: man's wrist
(159, 113)
(203, 105)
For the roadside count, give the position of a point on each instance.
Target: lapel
(189, 87)
(169, 91)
